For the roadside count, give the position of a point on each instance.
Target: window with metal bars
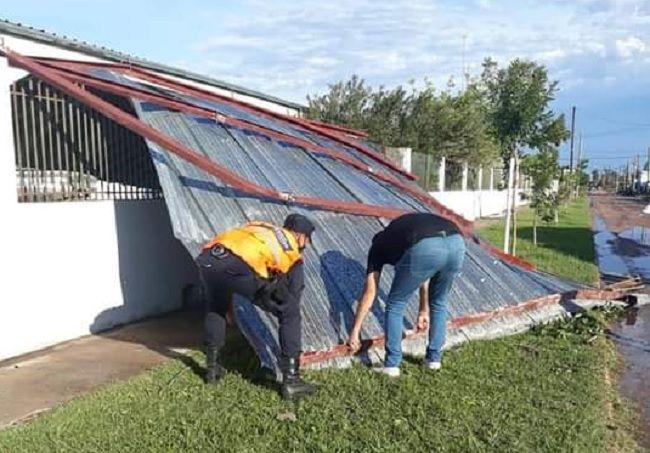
(66, 151)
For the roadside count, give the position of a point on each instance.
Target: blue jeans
(439, 260)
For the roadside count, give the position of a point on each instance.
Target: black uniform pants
(225, 274)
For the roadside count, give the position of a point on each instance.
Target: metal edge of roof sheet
(24, 31)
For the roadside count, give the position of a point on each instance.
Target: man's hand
(423, 321)
(354, 342)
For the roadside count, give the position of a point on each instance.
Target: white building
(86, 240)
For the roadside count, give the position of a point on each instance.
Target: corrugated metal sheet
(200, 206)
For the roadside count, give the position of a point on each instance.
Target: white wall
(475, 204)
(70, 268)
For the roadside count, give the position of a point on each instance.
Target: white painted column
(8, 194)
(480, 179)
(441, 175)
(465, 176)
(491, 178)
(510, 195)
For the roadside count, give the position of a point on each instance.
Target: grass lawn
(542, 391)
(564, 249)
(547, 390)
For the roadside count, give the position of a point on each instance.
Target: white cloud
(295, 48)
(630, 46)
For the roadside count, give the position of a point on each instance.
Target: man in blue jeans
(427, 252)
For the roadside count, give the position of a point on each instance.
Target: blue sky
(599, 50)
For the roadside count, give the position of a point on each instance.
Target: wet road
(622, 254)
(622, 246)
(632, 335)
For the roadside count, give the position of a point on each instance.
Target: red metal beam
(193, 91)
(336, 127)
(343, 350)
(53, 78)
(183, 106)
(357, 208)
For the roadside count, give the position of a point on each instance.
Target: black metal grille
(67, 151)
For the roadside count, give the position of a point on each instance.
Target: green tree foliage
(519, 113)
(543, 169)
(346, 103)
(453, 125)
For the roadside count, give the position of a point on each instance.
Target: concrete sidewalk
(39, 381)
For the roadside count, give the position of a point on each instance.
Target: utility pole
(637, 174)
(573, 128)
(578, 167)
(647, 171)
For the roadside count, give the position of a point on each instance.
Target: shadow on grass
(572, 241)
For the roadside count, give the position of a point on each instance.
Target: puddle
(622, 254)
(625, 254)
(632, 335)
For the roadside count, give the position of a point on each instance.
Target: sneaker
(390, 371)
(433, 366)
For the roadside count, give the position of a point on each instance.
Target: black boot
(293, 387)
(214, 369)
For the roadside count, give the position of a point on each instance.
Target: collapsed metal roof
(222, 163)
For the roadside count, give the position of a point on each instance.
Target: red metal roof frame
(135, 125)
(343, 350)
(336, 136)
(70, 70)
(76, 75)
(337, 128)
(132, 123)
(53, 77)
(328, 130)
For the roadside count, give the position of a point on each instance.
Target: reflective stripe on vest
(266, 248)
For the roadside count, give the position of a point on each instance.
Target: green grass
(565, 249)
(546, 390)
(540, 391)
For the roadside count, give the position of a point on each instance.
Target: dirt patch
(620, 213)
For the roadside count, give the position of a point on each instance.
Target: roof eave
(22, 31)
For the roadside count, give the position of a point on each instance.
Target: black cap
(300, 224)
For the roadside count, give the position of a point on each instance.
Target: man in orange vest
(263, 263)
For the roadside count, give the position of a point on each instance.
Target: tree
(520, 117)
(440, 124)
(582, 175)
(543, 169)
(344, 104)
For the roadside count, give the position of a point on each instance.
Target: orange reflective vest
(266, 248)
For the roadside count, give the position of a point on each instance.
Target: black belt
(443, 234)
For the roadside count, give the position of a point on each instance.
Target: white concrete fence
(468, 191)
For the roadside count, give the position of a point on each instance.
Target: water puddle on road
(632, 336)
(625, 254)
(622, 254)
